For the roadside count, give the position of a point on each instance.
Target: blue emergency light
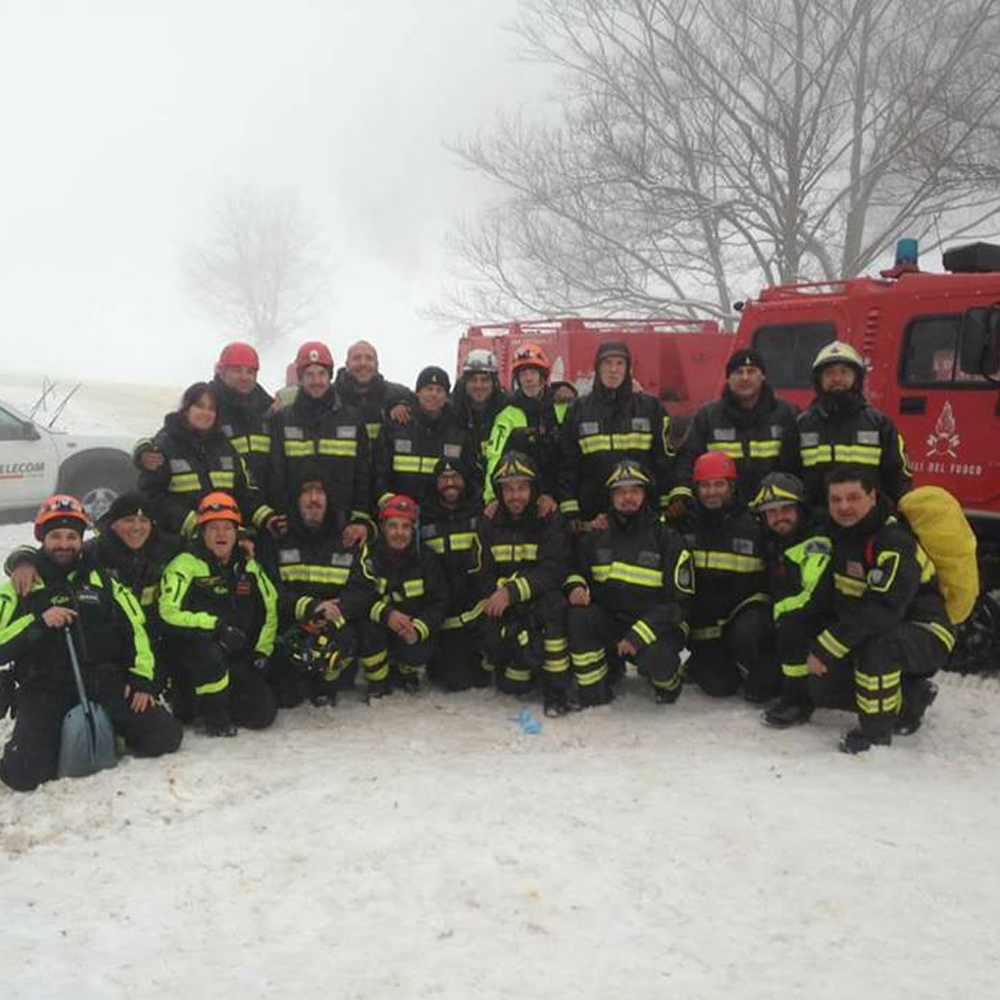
(907, 252)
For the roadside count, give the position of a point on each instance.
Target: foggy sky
(122, 122)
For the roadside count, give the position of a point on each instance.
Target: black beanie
(432, 375)
(127, 504)
(613, 348)
(745, 357)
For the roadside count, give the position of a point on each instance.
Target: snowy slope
(428, 847)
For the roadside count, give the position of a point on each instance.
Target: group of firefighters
(527, 539)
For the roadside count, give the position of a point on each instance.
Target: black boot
(786, 714)
(220, 725)
(857, 741)
(555, 703)
(592, 695)
(918, 696)
(377, 689)
(666, 696)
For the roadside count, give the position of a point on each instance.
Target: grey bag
(87, 742)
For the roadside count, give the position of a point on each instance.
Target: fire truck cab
(930, 343)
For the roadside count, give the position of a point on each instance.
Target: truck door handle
(913, 404)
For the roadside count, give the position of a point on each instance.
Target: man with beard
(612, 422)
(839, 427)
(887, 631)
(732, 635)
(220, 615)
(74, 597)
(360, 385)
(526, 562)
(319, 431)
(402, 593)
(797, 553)
(450, 521)
(478, 397)
(314, 655)
(748, 424)
(629, 599)
(406, 455)
(528, 424)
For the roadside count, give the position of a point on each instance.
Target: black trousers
(31, 756)
(528, 643)
(742, 652)
(594, 634)
(458, 663)
(383, 653)
(875, 678)
(794, 634)
(220, 688)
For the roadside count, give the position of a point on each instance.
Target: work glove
(230, 638)
(8, 694)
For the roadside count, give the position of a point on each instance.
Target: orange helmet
(238, 354)
(60, 511)
(313, 352)
(714, 465)
(531, 356)
(400, 506)
(218, 506)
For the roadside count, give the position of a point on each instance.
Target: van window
(789, 350)
(11, 429)
(931, 355)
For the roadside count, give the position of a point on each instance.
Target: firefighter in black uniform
(316, 648)
(318, 431)
(360, 385)
(748, 423)
(611, 422)
(74, 597)
(199, 459)
(220, 615)
(528, 424)
(839, 427)
(478, 396)
(449, 528)
(527, 560)
(797, 550)
(887, 630)
(629, 599)
(401, 590)
(732, 636)
(405, 455)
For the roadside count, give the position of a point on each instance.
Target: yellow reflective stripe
(373, 430)
(240, 445)
(461, 541)
(631, 441)
(765, 449)
(794, 669)
(588, 677)
(627, 573)
(849, 585)
(927, 569)
(870, 682)
(523, 587)
(671, 684)
(888, 572)
(832, 644)
(870, 706)
(314, 574)
(513, 674)
(575, 580)
(222, 480)
(342, 448)
(299, 449)
(414, 463)
(734, 449)
(184, 482)
(728, 561)
(515, 553)
(816, 456)
(422, 628)
(554, 645)
(587, 659)
(556, 664)
(941, 632)
(374, 660)
(435, 545)
(260, 443)
(569, 507)
(644, 632)
(376, 610)
(413, 588)
(863, 454)
(214, 687)
(301, 607)
(707, 632)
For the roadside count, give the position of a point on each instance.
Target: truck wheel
(97, 488)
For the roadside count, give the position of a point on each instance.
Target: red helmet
(238, 354)
(60, 511)
(313, 352)
(714, 465)
(530, 356)
(218, 506)
(399, 506)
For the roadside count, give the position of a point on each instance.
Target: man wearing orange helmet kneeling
(73, 603)
(220, 615)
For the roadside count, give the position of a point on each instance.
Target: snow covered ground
(431, 847)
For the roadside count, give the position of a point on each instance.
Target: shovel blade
(86, 745)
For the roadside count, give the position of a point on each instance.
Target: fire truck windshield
(789, 349)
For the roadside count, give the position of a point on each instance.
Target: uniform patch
(180, 465)
(289, 556)
(88, 596)
(876, 577)
(640, 424)
(855, 569)
(603, 555)
(293, 433)
(724, 433)
(809, 439)
(817, 546)
(590, 427)
(227, 429)
(685, 580)
(342, 559)
(347, 431)
(452, 451)
(243, 587)
(777, 431)
(403, 445)
(744, 546)
(227, 463)
(868, 437)
(428, 531)
(647, 558)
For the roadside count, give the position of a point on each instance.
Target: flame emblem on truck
(943, 440)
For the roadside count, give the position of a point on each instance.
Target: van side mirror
(980, 341)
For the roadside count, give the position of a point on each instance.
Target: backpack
(940, 525)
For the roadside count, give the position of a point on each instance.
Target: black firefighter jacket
(245, 418)
(375, 403)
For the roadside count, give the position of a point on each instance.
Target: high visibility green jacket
(528, 425)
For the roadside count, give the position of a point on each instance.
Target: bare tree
(704, 147)
(263, 271)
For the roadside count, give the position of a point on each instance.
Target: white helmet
(481, 360)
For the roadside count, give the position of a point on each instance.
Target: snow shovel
(87, 743)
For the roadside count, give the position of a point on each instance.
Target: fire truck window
(789, 350)
(930, 353)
